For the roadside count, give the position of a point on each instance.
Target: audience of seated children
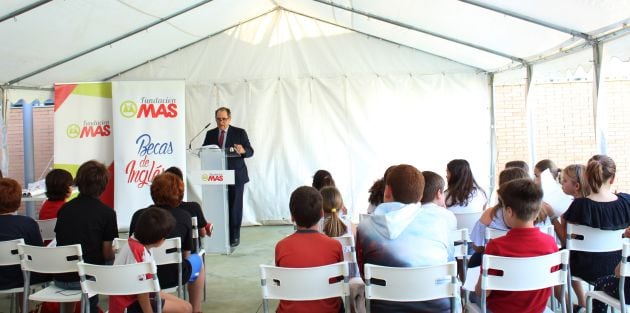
(193, 208)
(601, 209)
(433, 197)
(522, 200)
(401, 234)
(307, 247)
(167, 192)
(152, 227)
(332, 224)
(518, 163)
(58, 189)
(13, 226)
(463, 194)
(610, 285)
(87, 221)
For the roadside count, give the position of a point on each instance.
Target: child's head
(92, 178)
(167, 190)
(332, 205)
(405, 184)
(58, 184)
(175, 170)
(517, 163)
(321, 179)
(305, 205)
(460, 182)
(376, 192)
(433, 188)
(601, 169)
(574, 182)
(511, 173)
(10, 195)
(153, 225)
(543, 165)
(522, 197)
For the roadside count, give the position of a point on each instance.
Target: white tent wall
(312, 95)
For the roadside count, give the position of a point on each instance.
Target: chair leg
(265, 306)
(589, 304)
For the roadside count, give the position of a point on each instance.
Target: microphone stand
(197, 135)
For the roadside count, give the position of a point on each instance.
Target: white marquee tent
(351, 86)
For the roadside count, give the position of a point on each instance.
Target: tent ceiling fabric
(467, 32)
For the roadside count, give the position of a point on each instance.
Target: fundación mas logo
(149, 108)
(89, 129)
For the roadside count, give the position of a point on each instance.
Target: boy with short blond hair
(521, 199)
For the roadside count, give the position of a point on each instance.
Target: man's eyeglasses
(220, 119)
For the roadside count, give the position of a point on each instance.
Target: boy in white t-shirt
(151, 229)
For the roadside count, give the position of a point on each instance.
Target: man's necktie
(221, 138)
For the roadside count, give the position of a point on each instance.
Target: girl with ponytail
(333, 225)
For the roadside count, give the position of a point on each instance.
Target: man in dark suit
(226, 137)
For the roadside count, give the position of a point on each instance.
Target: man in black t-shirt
(87, 221)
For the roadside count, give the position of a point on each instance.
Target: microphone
(197, 135)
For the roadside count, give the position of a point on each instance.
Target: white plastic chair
(198, 247)
(523, 274)
(299, 284)
(594, 240)
(9, 256)
(349, 253)
(50, 260)
(412, 283)
(607, 299)
(47, 228)
(118, 244)
(467, 220)
(460, 239)
(170, 252)
(106, 280)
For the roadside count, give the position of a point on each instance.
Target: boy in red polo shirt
(522, 199)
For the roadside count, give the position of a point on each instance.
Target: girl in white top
(463, 194)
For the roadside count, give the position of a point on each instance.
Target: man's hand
(239, 149)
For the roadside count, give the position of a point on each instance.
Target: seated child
(58, 189)
(153, 226)
(15, 227)
(433, 197)
(332, 224)
(522, 199)
(307, 247)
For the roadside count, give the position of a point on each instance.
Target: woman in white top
(463, 194)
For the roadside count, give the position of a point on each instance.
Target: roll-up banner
(83, 128)
(149, 138)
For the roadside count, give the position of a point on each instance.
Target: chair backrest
(50, 260)
(467, 220)
(349, 251)
(47, 228)
(524, 273)
(462, 238)
(9, 252)
(411, 283)
(594, 239)
(107, 279)
(170, 252)
(310, 283)
(118, 244)
(625, 254)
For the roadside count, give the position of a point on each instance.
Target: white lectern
(214, 179)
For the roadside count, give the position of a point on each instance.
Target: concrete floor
(233, 281)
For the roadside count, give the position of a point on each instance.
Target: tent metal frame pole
(600, 124)
(481, 70)
(493, 135)
(532, 20)
(109, 42)
(531, 124)
(420, 30)
(187, 45)
(23, 10)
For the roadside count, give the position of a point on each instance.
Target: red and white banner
(149, 138)
(83, 128)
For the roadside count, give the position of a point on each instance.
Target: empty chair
(106, 280)
(9, 256)
(588, 239)
(50, 260)
(523, 274)
(170, 252)
(467, 220)
(299, 284)
(406, 284)
(47, 229)
(624, 271)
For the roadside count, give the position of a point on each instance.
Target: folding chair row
(624, 271)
